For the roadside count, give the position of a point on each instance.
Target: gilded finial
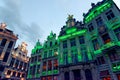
(70, 17)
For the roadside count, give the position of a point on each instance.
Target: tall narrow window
(66, 76)
(101, 60)
(8, 72)
(88, 74)
(50, 53)
(99, 21)
(12, 62)
(74, 56)
(113, 55)
(64, 44)
(44, 66)
(17, 63)
(106, 38)
(38, 69)
(49, 65)
(50, 44)
(45, 54)
(66, 57)
(90, 27)
(72, 42)
(117, 32)
(3, 42)
(95, 44)
(39, 58)
(1, 50)
(55, 64)
(10, 44)
(77, 75)
(6, 56)
(81, 40)
(110, 15)
(14, 73)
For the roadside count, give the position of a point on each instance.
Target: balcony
(107, 46)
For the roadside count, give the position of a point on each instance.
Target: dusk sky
(35, 19)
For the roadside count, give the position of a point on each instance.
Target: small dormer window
(50, 43)
(56, 43)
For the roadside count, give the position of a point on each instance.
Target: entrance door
(88, 74)
(76, 74)
(66, 76)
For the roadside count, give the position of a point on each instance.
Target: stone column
(71, 75)
(114, 76)
(82, 72)
(94, 74)
(61, 77)
(52, 69)
(52, 64)
(4, 50)
(14, 63)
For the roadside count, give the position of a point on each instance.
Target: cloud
(10, 14)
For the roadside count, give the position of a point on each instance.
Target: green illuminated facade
(35, 62)
(86, 50)
(49, 67)
(74, 52)
(103, 37)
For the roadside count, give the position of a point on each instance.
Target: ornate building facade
(48, 60)
(87, 50)
(50, 68)
(13, 62)
(18, 66)
(7, 42)
(35, 62)
(76, 62)
(103, 36)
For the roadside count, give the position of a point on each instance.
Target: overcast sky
(35, 19)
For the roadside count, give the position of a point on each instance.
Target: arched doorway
(66, 76)
(88, 74)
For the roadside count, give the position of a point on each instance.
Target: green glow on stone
(31, 64)
(118, 43)
(61, 61)
(98, 51)
(71, 30)
(37, 75)
(116, 26)
(38, 63)
(49, 72)
(64, 37)
(37, 47)
(81, 32)
(108, 45)
(98, 10)
(89, 56)
(116, 68)
(29, 76)
(69, 59)
(79, 57)
(44, 73)
(55, 71)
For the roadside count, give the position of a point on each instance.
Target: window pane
(110, 15)
(81, 40)
(73, 42)
(64, 44)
